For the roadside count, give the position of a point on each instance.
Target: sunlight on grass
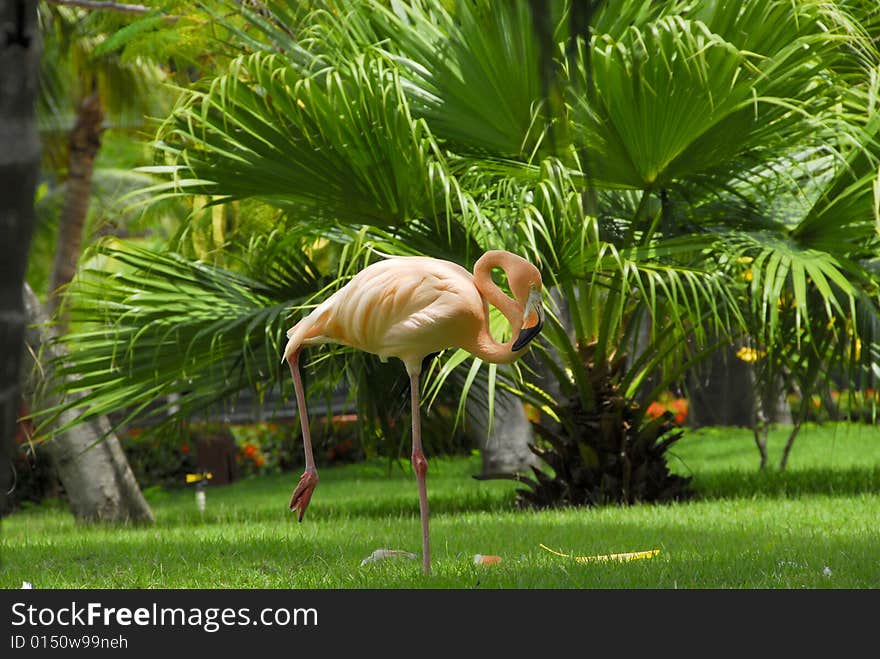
(814, 526)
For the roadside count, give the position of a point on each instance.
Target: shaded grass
(832, 459)
(815, 526)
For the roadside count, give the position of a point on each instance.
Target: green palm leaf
(156, 324)
(338, 145)
(676, 99)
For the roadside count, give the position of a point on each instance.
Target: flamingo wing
(405, 307)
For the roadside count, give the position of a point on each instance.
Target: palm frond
(149, 324)
(340, 145)
(678, 99)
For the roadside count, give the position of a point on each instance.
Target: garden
(596, 284)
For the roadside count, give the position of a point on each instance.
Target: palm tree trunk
(721, 391)
(783, 462)
(760, 421)
(85, 141)
(505, 446)
(19, 172)
(94, 472)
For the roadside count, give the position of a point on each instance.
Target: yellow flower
(749, 355)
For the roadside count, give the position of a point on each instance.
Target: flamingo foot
(299, 501)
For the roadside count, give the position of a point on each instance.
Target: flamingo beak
(533, 320)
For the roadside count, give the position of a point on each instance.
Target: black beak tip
(525, 336)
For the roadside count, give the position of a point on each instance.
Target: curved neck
(486, 347)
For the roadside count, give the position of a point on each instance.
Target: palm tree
(80, 84)
(19, 63)
(641, 162)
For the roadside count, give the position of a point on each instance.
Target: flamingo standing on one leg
(411, 307)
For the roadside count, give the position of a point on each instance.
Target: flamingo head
(533, 316)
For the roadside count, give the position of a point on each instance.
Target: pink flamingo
(411, 307)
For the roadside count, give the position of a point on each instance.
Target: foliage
(159, 459)
(683, 174)
(851, 405)
(272, 448)
(605, 454)
(74, 66)
(35, 478)
(162, 456)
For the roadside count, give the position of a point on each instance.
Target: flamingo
(411, 307)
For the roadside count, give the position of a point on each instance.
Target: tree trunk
(94, 472)
(721, 391)
(85, 141)
(724, 391)
(760, 429)
(19, 172)
(783, 462)
(504, 447)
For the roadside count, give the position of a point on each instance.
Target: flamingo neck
(486, 347)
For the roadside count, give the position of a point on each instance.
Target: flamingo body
(404, 307)
(409, 308)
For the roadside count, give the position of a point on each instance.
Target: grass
(814, 526)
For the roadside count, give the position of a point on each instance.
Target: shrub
(274, 447)
(34, 478)
(159, 458)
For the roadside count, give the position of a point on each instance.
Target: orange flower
(184, 448)
(259, 460)
(680, 407)
(655, 410)
(249, 450)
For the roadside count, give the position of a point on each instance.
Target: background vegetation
(693, 178)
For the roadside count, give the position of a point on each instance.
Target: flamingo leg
(309, 480)
(420, 465)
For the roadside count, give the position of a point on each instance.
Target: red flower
(249, 450)
(184, 448)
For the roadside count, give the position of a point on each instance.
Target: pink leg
(420, 465)
(309, 480)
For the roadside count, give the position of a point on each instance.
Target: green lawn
(816, 526)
